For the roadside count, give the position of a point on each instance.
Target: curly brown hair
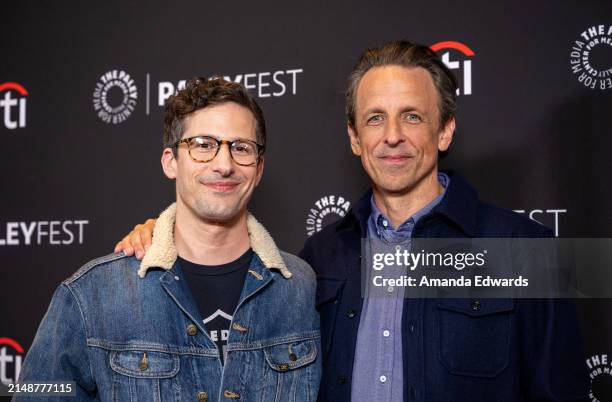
(200, 93)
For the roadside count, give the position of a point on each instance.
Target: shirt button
(351, 313)
(390, 289)
(176, 277)
(383, 379)
(411, 327)
(192, 330)
(341, 380)
(386, 333)
(202, 396)
(476, 305)
(385, 223)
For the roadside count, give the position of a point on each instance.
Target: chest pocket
(291, 372)
(475, 335)
(289, 356)
(145, 376)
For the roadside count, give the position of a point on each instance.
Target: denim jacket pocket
(474, 336)
(145, 375)
(291, 372)
(289, 356)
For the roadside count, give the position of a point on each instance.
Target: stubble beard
(216, 211)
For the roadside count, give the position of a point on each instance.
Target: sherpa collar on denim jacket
(162, 252)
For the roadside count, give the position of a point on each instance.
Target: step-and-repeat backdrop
(82, 89)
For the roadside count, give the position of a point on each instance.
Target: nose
(393, 133)
(223, 163)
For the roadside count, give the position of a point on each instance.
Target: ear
(260, 169)
(445, 136)
(168, 162)
(354, 138)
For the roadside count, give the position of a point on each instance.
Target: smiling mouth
(222, 187)
(395, 158)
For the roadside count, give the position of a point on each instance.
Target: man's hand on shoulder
(138, 240)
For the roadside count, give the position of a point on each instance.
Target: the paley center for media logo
(457, 56)
(117, 110)
(325, 210)
(588, 59)
(13, 98)
(600, 373)
(116, 93)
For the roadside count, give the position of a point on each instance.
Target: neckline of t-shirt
(222, 269)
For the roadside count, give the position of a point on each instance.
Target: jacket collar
(162, 252)
(459, 204)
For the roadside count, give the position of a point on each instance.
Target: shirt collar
(459, 205)
(380, 225)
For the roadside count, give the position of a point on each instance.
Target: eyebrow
(405, 109)
(219, 138)
(374, 110)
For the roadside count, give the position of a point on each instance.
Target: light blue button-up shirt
(378, 365)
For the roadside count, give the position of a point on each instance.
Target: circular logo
(330, 206)
(600, 372)
(116, 84)
(588, 59)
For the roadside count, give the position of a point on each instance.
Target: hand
(138, 240)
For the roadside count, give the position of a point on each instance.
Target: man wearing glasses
(214, 310)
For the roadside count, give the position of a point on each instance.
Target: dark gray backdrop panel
(530, 136)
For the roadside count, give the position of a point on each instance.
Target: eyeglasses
(203, 148)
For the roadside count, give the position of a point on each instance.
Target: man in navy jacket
(400, 112)
(523, 350)
(401, 116)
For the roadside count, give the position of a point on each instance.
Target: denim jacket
(125, 332)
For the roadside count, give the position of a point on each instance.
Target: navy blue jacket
(453, 350)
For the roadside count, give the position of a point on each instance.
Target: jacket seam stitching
(92, 264)
(83, 323)
(274, 342)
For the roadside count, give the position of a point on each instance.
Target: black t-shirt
(216, 290)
